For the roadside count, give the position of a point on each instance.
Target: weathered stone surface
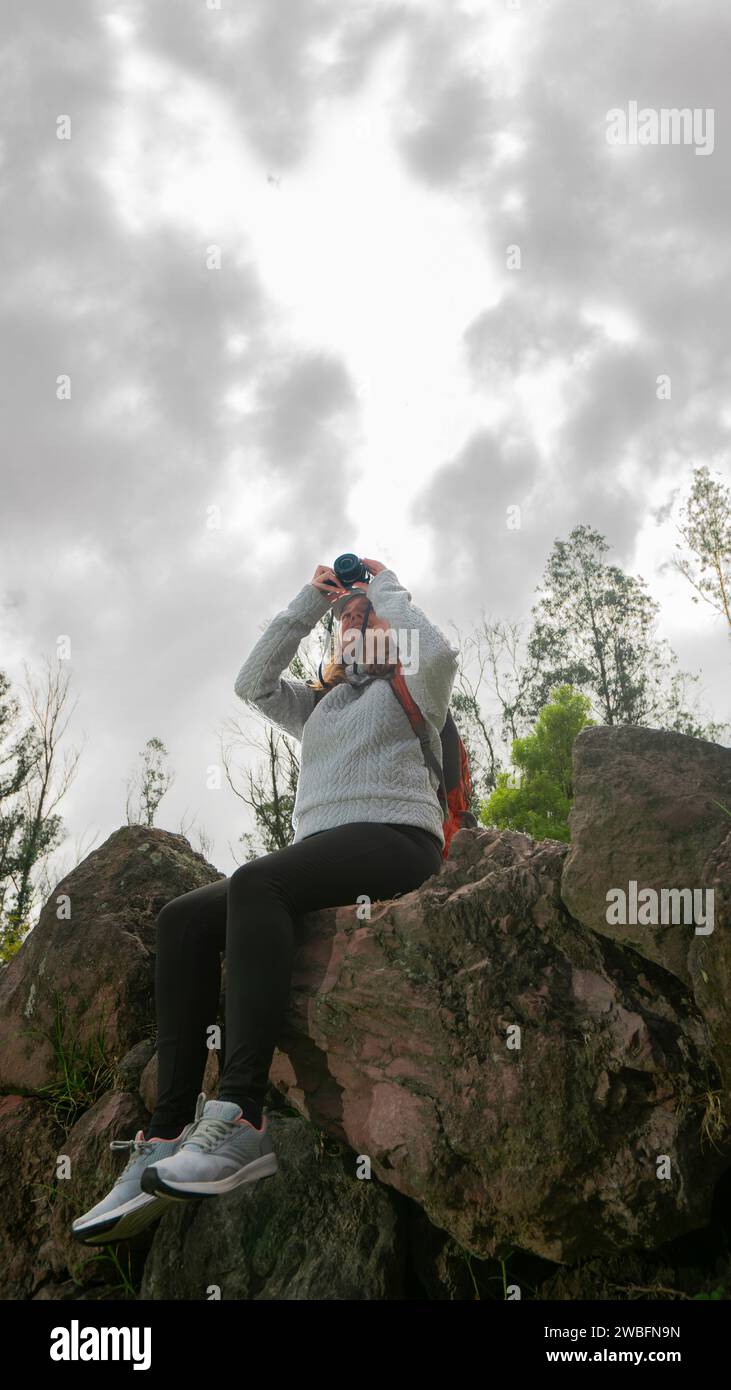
(314, 1230)
(92, 976)
(93, 1169)
(45, 1176)
(29, 1143)
(709, 966)
(649, 808)
(398, 1042)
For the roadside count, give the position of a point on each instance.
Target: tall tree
(33, 781)
(594, 628)
(18, 754)
(705, 530)
(148, 784)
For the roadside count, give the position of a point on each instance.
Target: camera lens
(350, 570)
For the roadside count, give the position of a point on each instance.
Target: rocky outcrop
(467, 1069)
(314, 1231)
(653, 809)
(84, 977)
(519, 1076)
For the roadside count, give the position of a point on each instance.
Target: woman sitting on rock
(367, 821)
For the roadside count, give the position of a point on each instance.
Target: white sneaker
(126, 1209)
(222, 1152)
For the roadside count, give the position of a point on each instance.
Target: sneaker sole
(122, 1224)
(263, 1167)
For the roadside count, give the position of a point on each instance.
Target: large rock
(649, 809)
(29, 1144)
(313, 1231)
(85, 983)
(591, 1136)
(401, 1041)
(709, 966)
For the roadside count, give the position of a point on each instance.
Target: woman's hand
(373, 566)
(326, 580)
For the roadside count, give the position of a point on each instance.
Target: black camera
(350, 570)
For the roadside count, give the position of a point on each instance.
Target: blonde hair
(333, 673)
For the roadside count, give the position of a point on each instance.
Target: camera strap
(421, 729)
(363, 627)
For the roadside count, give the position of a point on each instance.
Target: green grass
(108, 1255)
(84, 1070)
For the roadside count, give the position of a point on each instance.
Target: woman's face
(352, 617)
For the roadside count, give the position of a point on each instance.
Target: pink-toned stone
(396, 1043)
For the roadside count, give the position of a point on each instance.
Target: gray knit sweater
(360, 758)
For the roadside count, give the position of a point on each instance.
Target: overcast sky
(273, 261)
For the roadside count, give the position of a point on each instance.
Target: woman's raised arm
(286, 703)
(429, 669)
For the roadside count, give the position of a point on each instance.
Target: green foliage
(84, 1071)
(540, 801)
(13, 930)
(109, 1263)
(28, 830)
(150, 783)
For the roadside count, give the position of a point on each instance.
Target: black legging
(250, 916)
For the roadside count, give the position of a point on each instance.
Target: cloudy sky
(273, 260)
